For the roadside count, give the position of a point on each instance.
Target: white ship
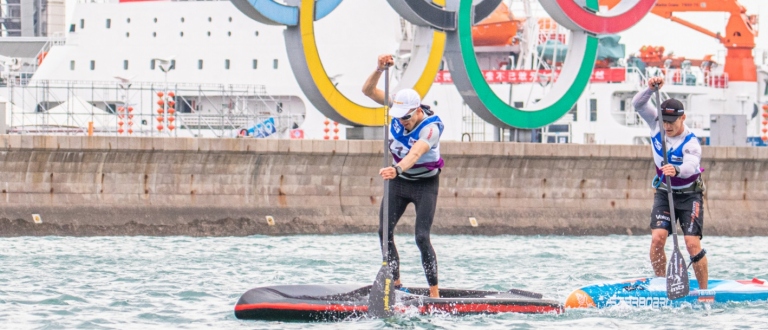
(230, 75)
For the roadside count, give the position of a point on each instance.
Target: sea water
(188, 282)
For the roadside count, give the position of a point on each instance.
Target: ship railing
(693, 76)
(138, 85)
(636, 76)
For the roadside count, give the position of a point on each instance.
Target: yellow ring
(355, 113)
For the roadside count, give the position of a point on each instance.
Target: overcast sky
(653, 30)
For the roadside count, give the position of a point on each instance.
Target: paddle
(677, 274)
(382, 296)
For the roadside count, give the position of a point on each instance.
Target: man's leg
(658, 256)
(693, 244)
(425, 204)
(397, 207)
(692, 223)
(660, 229)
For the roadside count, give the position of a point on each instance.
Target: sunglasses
(409, 115)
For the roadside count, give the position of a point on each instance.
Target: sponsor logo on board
(704, 293)
(653, 302)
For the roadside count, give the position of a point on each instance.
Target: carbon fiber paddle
(382, 296)
(677, 271)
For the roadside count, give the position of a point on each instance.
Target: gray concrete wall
(178, 186)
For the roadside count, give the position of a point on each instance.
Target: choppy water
(185, 282)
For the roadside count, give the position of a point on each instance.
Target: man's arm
(691, 159)
(428, 137)
(641, 101)
(419, 149)
(369, 88)
(643, 107)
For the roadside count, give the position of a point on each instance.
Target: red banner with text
(601, 75)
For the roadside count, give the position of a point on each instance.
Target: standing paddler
(415, 146)
(683, 167)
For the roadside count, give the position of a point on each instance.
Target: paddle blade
(382, 296)
(677, 276)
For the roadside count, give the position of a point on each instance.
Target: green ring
(555, 106)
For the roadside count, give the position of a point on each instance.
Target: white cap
(403, 101)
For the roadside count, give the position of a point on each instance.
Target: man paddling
(683, 168)
(415, 146)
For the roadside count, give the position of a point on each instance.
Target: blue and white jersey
(401, 141)
(675, 156)
(684, 149)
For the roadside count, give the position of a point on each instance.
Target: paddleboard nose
(579, 299)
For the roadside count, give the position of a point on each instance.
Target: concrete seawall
(198, 187)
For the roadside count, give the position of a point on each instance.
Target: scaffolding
(133, 109)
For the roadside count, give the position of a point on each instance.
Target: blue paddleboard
(652, 292)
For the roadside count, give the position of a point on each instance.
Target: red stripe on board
(302, 307)
(487, 308)
(450, 308)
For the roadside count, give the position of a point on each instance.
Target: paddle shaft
(385, 198)
(672, 218)
(382, 295)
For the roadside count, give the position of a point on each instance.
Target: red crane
(739, 37)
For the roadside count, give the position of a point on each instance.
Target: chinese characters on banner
(528, 76)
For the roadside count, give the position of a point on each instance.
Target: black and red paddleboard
(339, 302)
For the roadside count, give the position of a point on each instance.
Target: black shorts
(688, 210)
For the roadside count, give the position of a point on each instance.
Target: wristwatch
(398, 169)
(677, 170)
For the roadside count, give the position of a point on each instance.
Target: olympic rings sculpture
(444, 29)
